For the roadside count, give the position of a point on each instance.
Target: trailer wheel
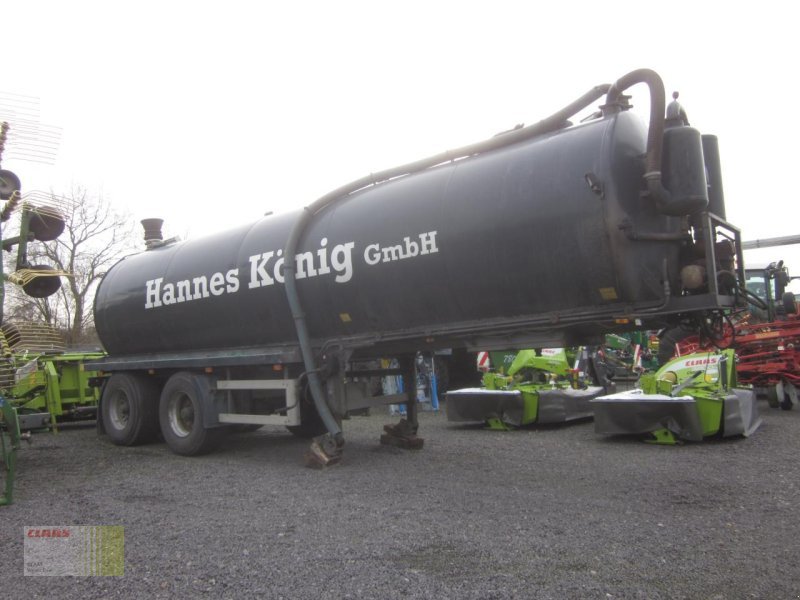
(180, 411)
(786, 401)
(772, 397)
(789, 303)
(129, 409)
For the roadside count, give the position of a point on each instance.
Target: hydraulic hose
(552, 123)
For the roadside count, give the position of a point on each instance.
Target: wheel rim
(181, 414)
(119, 410)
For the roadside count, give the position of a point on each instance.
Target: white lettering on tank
(258, 270)
(372, 254)
(342, 261)
(153, 293)
(278, 271)
(267, 268)
(428, 241)
(184, 289)
(216, 285)
(375, 253)
(304, 265)
(232, 279)
(412, 248)
(200, 287)
(323, 268)
(168, 295)
(391, 253)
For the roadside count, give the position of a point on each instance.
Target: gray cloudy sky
(210, 113)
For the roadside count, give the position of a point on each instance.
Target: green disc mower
(549, 387)
(690, 398)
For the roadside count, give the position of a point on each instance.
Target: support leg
(9, 427)
(326, 449)
(404, 433)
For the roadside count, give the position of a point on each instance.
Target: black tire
(129, 406)
(789, 303)
(184, 400)
(786, 401)
(784, 392)
(772, 397)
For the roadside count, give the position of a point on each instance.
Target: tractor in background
(767, 341)
(766, 337)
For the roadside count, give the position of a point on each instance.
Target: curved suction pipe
(552, 123)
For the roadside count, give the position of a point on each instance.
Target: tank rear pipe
(716, 194)
(551, 123)
(655, 132)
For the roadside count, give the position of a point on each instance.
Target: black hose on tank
(552, 123)
(655, 131)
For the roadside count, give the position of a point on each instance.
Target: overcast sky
(209, 114)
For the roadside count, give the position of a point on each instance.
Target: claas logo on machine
(699, 362)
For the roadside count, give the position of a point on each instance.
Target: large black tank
(533, 230)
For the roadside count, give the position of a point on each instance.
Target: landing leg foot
(402, 435)
(324, 452)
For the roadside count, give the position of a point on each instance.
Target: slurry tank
(535, 233)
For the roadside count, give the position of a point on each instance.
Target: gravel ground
(548, 512)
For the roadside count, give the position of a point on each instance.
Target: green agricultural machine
(40, 384)
(629, 354)
(47, 387)
(690, 398)
(38, 391)
(552, 386)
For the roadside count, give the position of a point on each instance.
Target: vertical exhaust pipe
(153, 238)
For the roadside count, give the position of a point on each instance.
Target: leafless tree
(95, 237)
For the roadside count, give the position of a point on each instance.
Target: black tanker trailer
(546, 235)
